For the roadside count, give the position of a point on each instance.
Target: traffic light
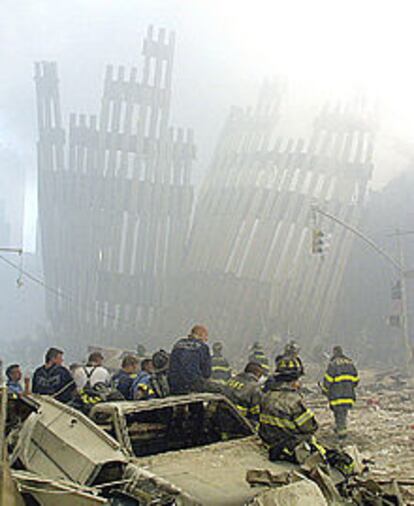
(396, 291)
(318, 244)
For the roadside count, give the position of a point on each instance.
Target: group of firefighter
(271, 401)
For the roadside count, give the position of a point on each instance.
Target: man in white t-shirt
(92, 373)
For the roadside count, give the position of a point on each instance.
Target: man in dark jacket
(190, 363)
(126, 376)
(285, 421)
(339, 384)
(244, 391)
(54, 379)
(220, 368)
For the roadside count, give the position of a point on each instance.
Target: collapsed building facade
(251, 273)
(125, 257)
(115, 201)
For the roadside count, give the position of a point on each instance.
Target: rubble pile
(381, 426)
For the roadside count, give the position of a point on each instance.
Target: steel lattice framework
(115, 200)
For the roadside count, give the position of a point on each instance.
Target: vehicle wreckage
(186, 450)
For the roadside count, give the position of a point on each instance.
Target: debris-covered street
(381, 426)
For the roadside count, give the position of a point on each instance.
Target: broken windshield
(182, 426)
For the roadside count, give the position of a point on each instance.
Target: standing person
(220, 368)
(285, 421)
(257, 355)
(244, 391)
(290, 360)
(141, 388)
(124, 378)
(190, 363)
(339, 384)
(14, 377)
(141, 351)
(53, 378)
(92, 373)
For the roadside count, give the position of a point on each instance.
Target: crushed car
(184, 450)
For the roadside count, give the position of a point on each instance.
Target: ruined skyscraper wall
(115, 200)
(249, 263)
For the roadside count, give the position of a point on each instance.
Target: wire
(62, 295)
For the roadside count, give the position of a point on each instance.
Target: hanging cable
(59, 293)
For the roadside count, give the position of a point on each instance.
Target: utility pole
(404, 297)
(397, 264)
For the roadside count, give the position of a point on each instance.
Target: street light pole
(397, 264)
(404, 298)
(361, 235)
(19, 251)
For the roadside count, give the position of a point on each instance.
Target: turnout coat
(340, 381)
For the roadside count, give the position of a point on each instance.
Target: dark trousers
(340, 414)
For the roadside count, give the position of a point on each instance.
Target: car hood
(214, 474)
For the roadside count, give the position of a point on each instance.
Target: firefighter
(160, 361)
(53, 378)
(190, 363)
(141, 388)
(152, 381)
(289, 360)
(220, 368)
(339, 384)
(124, 378)
(285, 421)
(141, 351)
(257, 355)
(244, 391)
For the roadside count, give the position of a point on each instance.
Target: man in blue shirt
(124, 378)
(14, 377)
(190, 363)
(142, 388)
(53, 378)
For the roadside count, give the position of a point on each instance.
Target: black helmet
(286, 376)
(160, 360)
(287, 364)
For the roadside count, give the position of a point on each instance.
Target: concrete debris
(301, 493)
(265, 477)
(380, 429)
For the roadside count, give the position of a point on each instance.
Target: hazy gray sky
(224, 50)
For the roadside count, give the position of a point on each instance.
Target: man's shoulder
(99, 369)
(60, 368)
(63, 371)
(180, 341)
(118, 374)
(38, 370)
(342, 360)
(188, 343)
